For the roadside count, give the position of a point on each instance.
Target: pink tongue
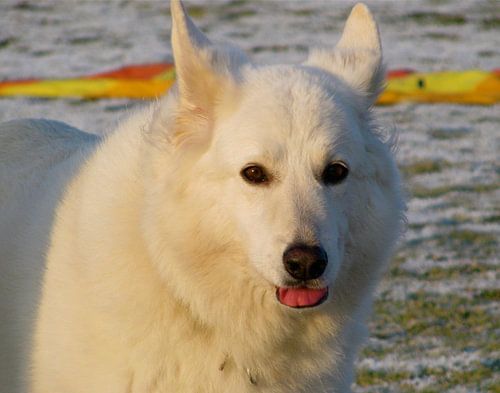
(301, 297)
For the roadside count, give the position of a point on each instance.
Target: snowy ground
(437, 321)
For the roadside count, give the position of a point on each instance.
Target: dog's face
(287, 156)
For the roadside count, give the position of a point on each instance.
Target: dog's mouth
(301, 297)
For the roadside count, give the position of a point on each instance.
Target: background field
(437, 321)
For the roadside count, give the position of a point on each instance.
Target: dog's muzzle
(304, 263)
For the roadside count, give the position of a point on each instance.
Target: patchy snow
(463, 286)
(451, 362)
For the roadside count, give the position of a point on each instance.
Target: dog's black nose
(305, 262)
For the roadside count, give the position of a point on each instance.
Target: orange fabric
(138, 71)
(152, 80)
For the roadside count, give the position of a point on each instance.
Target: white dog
(227, 239)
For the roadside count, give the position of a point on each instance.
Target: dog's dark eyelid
(334, 173)
(255, 174)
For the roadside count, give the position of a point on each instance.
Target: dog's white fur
(162, 263)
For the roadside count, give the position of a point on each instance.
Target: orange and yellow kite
(152, 80)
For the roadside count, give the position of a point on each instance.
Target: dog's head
(282, 165)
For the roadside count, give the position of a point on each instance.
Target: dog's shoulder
(31, 183)
(38, 140)
(29, 147)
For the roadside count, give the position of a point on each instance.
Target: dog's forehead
(291, 91)
(288, 111)
(295, 102)
(292, 104)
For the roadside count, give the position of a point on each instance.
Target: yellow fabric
(465, 87)
(90, 88)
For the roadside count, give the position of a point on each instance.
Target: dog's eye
(334, 173)
(255, 174)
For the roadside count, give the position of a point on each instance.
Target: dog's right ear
(204, 74)
(357, 58)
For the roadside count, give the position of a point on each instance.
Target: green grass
(424, 166)
(485, 54)
(478, 375)
(457, 243)
(442, 36)
(492, 219)
(368, 377)
(196, 11)
(305, 12)
(489, 294)
(238, 14)
(435, 18)
(491, 23)
(468, 238)
(460, 322)
(424, 192)
(449, 133)
(7, 41)
(438, 273)
(427, 325)
(446, 380)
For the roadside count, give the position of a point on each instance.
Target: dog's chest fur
(207, 363)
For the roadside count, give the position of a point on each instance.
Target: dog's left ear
(357, 58)
(204, 74)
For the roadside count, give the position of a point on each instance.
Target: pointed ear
(357, 58)
(204, 72)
